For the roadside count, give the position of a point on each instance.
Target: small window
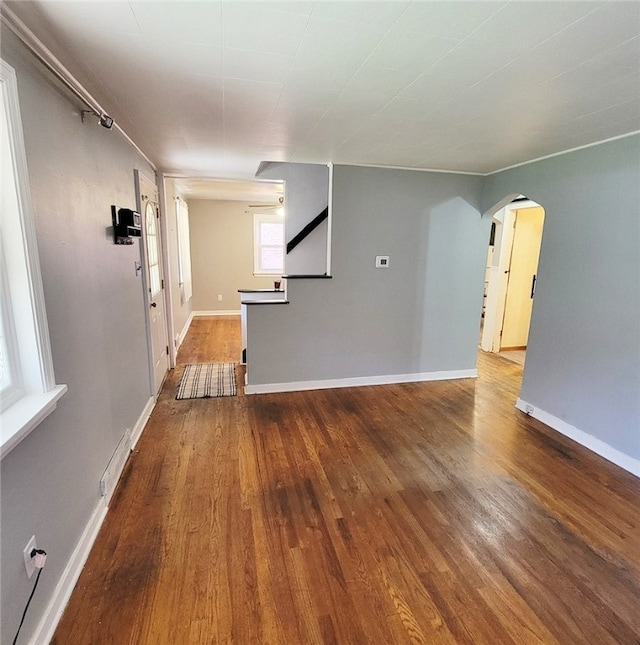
(28, 392)
(268, 244)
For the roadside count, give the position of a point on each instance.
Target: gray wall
(222, 254)
(180, 310)
(422, 314)
(50, 481)
(583, 359)
(306, 193)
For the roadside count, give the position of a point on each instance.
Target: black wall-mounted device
(127, 224)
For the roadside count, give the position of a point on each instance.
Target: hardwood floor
(515, 355)
(419, 513)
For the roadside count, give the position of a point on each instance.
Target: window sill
(22, 417)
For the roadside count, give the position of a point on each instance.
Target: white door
(154, 281)
(498, 278)
(522, 275)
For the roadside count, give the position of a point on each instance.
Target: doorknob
(153, 304)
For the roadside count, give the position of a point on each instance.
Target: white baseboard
(268, 388)
(141, 422)
(184, 331)
(583, 438)
(229, 312)
(61, 594)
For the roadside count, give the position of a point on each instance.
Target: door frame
(499, 278)
(166, 270)
(140, 177)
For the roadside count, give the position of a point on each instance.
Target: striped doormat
(207, 380)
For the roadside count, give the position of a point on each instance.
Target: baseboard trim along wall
(583, 438)
(64, 588)
(390, 379)
(61, 594)
(229, 312)
(183, 333)
(142, 422)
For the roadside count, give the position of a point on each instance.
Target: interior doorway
(510, 279)
(210, 227)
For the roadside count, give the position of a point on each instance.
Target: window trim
(265, 218)
(12, 391)
(38, 380)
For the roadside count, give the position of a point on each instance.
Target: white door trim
(140, 177)
(168, 283)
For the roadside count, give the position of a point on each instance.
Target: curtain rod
(44, 55)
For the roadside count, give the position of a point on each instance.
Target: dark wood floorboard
(418, 513)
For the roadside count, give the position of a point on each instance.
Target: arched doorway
(510, 278)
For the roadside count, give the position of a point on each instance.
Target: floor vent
(116, 464)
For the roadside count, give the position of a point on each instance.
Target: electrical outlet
(29, 562)
(219, 297)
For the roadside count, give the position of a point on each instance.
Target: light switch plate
(382, 261)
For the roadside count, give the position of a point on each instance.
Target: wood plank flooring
(419, 513)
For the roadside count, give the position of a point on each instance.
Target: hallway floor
(515, 355)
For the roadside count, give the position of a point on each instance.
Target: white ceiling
(211, 89)
(249, 192)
